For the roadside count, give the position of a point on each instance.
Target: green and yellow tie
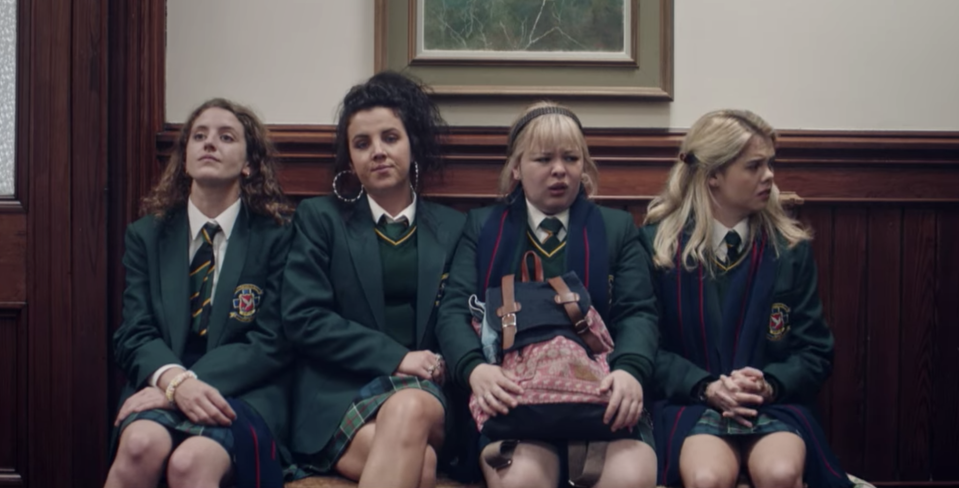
(393, 231)
(552, 226)
(733, 241)
(201, 279)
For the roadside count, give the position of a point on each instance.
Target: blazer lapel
(230, 272)
(175, 280)
(366, 258)
(431, 256)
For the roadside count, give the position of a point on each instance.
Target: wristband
(180, 378)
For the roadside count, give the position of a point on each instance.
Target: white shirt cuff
(159, 372)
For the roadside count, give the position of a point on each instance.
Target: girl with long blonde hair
(744, 347)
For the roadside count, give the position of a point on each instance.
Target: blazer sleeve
(138, 344)
(633, 316)
(800, 375)
(458, 342)
(309, 301)
(238, 366)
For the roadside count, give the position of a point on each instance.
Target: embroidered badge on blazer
(246, 298)
(442, 290)
(778, 322)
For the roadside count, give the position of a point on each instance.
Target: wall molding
(820, 166)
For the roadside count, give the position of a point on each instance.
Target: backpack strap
(507, 312)
(586, 460)
(570, 302)
(502, 456)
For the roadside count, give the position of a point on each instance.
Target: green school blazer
(798, 359)
(247, 356)
(631, 319)
(333, 306)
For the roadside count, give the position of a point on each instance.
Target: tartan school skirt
(181, 427)
(365, 405)
(713, 423)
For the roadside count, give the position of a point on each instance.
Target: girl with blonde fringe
(548, 181)
(744, 347)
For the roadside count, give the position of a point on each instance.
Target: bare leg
(534, 465)
(629, 464)
(708, 461)
(144, 447)
(198, 462)
(395, 449)
(776, 460)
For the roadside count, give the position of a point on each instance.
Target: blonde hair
(547, 130)
(714, 141)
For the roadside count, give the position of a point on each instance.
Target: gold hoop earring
(337, 192)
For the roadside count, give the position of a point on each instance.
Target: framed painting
(557, 48)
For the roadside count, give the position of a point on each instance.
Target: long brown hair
(260, 191)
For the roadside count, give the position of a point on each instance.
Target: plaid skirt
(365, 405)
(713, 423)
(181, 427)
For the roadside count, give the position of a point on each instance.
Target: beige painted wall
(809, 64)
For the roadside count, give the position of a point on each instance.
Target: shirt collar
(408, 212)
(720, 231)
(536, 216)
(225, 220)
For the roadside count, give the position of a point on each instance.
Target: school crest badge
(246, 299)
(778, 322)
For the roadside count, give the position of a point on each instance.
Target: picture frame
(644, 70)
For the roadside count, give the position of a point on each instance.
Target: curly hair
(260, 191)
(410, 101)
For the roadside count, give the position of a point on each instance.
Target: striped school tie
(552, 226)
(201, 279)
(733, 241)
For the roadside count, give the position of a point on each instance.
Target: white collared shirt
(225, 220)
(536, 217)
(719, 237)
(408, 212)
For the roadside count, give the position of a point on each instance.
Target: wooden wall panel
(819, 218)
(883, 255)
(12, 388)
(848, 325)
(13, 257)
(945, 360)
(918, 295)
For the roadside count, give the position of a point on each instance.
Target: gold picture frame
(646, 73)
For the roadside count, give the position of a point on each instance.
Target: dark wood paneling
(13, 257)
(848, 325)
(883, 253)
(945, 362)
(88, 258)
(11, 390)
(918, 294)
(65, 150)
(819, 219)
(136, 70)
(839, 166)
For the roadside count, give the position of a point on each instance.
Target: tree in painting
(524, 25)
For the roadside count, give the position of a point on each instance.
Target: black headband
(536, 112)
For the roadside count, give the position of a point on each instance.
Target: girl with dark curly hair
(369, 403)
(200, 342)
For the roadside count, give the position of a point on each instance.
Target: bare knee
(629, 464)
(411, 408)
(780, 473)
(146, 443)
(707, 477)
(198, 462)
